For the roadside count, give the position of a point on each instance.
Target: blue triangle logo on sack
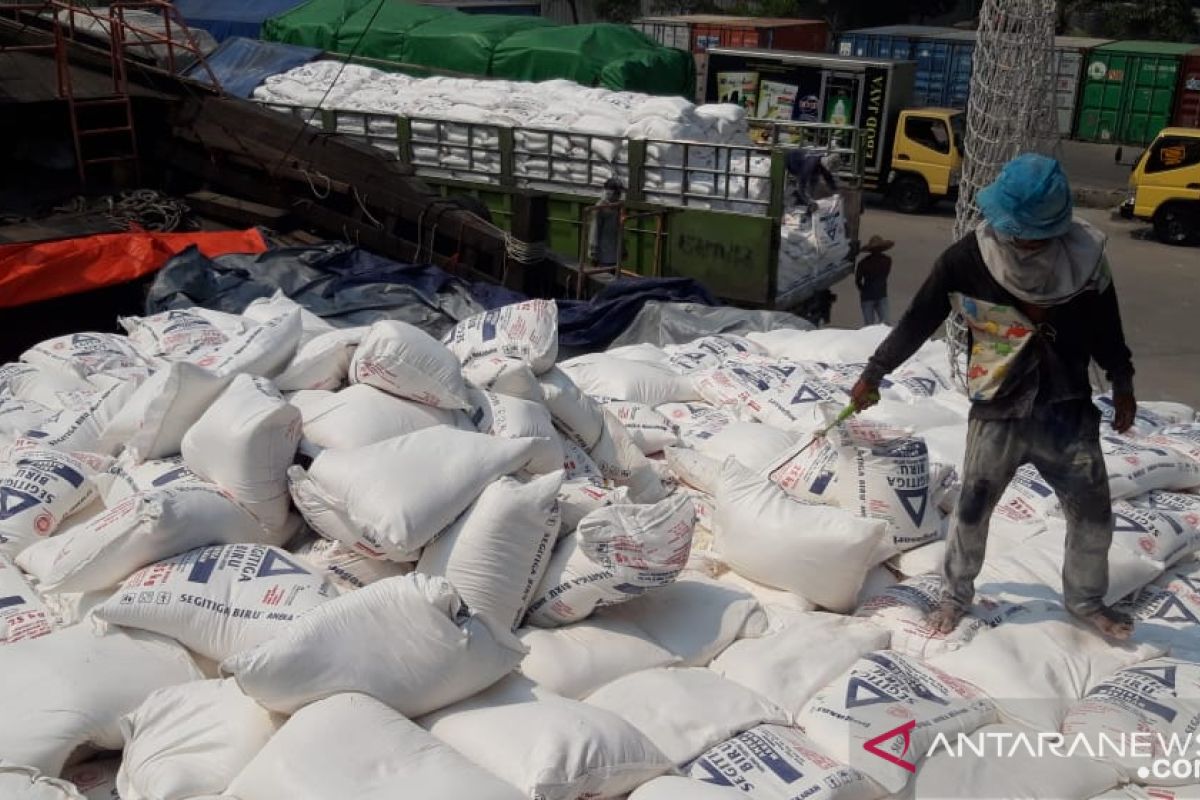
(170, 477)
(1163, 675)
(275, 563)
(1175, 610)
(13, 502)
(714, 775)
(915, 502)
(861, 693)
(806, 394)
(926, 386)
(1124, 523)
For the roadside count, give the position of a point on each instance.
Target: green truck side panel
(733, 255)
(1129, 91)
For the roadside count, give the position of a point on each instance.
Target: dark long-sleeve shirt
(871, 276)
(808, 168)
(1051, 368)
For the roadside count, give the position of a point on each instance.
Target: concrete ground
(1158, 286)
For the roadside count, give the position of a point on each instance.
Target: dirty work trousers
(875, 312)
(1063, 441)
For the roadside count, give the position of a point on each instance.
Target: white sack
(575, 660)
(548, 747)
(353, 746)
(23, 614)
(601, 375)
(503, 375)
(694, 618)
(685, 711)
(139, 530)
(879, 692)
(1037, 669)
(264, 309)
(818, 552)
(515, 418)
(173, 334)
(672, 787)
(218, 601)
(85, 354)
(407, 641)
(244, 443)
(84, 426)
(72, 687)
(1136, 467)
(346, 568)
(615, 554)
(389, 499)
(264, 350)
(496, 553)
(27, 783)
(578, 416)
(189, 740)
(579, 497)
(40, 488)
(127, 477)
(622, 462)
(791, 664)
(154, 420)
(754, 445)
(1158, 534)
(322, 362)
(360, 415)
(403, 360)
(695, 422)
(527, 331)
(771, 762)
(650, 430)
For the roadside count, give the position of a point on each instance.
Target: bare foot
(945, 617)
(1111, 623)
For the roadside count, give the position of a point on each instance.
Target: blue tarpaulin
(225, 18)
(241, 64)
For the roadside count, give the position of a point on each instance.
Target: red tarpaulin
(42, 270)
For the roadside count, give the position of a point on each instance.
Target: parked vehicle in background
(1164, 187)
(911, 155)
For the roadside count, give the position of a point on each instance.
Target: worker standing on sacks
(1034, 287)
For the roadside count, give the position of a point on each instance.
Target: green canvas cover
(464, 42)
(575, 52)
(313, 24)
(663, 70)
(389, 27)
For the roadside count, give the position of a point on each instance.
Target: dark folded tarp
(345, 285)
(593, 325)
(240, 65)
(225, 18)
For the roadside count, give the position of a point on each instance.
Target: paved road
(1159, 288)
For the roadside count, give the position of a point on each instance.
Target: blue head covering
(1030, 199)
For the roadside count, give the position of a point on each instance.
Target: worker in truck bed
(807, 168)
(1035, 289)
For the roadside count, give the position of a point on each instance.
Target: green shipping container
(1129, 91)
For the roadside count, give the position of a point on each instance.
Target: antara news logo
(1174, 756)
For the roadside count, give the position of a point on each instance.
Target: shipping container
(698, 33)
(1187, 107)
(943, 57)
(1070, 54)
(1130, 90)
(867, 93)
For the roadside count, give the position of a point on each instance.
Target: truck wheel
(909, 194)
(1175, 223)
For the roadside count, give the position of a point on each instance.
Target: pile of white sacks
(563, 132)
(257, 557)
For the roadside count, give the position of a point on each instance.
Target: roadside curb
(1089, 197)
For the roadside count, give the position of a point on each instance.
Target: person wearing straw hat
(1034, 287)
(871, 277)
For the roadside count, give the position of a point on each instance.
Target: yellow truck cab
(1164, 187)
(926, 158)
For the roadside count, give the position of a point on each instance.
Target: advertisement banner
(871, 117)
(776, 100)
(739, 88)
